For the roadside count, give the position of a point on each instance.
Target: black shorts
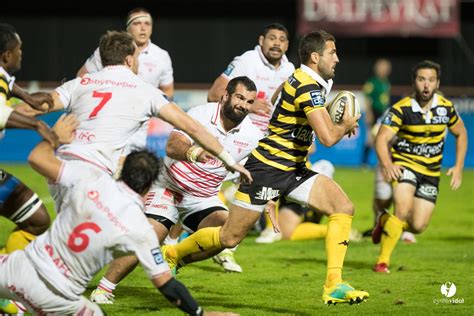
(269, 183)
(426, 186)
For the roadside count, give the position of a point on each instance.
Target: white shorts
(20, 281)
(176, 206)
(382, 188)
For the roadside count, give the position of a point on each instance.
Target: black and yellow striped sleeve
(4, 88)
(309, 97)
(453, 117)
(393, 118)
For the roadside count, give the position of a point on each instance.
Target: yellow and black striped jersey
(289, 133)
(6, 82)
(420, 136)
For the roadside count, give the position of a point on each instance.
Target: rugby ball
(342, 101)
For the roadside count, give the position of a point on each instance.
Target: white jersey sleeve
(65, 92)
(167, 75)
(94, 62)
(147, 249)
(237, 67)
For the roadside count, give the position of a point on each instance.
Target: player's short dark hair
(8, 37)
(140, 170)
(426, 64)
(243, 80)
(115, 46)
(275, 26)
(313, 42)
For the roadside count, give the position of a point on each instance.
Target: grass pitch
(286, 278)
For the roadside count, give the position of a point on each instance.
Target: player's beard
(422, 97)
(233, 115)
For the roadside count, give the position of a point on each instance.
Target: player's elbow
(327, 140)
(34, 160)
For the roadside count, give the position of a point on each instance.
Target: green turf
(286, 278)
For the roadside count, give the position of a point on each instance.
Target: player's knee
(344, 206)
(230, 240)
(418, 228)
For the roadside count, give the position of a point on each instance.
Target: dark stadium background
(203, 36)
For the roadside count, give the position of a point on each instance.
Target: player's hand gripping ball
(344, 100)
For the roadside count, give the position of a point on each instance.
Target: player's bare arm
(329, 133)
(172, 114)
(43, 159)
(82, 71)
(168, 90)
(389, 169)
(217, 90)
(18, 120)
(35, 100)
(460, 133)
(179, 147)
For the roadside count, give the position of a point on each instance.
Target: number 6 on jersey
(77, 233)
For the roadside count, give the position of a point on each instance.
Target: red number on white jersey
(78, 235)
(105, 98)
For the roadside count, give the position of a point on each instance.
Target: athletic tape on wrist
(226, 158)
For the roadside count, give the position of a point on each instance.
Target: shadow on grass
(135, 298)
(454, 238)
(347, 264)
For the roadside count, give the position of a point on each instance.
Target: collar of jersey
(216, 120)
(134, 195)
(117, 67)
(264, 59)
(416, 107)
(147, 48)
(10, 79)
(327, 85)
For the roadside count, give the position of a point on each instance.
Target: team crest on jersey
(317, 98)
(157, 255)
(229, 70)
(387, 120)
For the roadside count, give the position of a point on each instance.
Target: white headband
(133, 18)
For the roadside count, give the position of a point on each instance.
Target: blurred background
(203, 36)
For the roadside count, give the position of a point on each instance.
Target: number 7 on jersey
(105, 96)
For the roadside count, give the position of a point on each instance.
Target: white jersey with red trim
(204, 179)
(102, 219)
(111, 105)
(267, 77)
(155, 65)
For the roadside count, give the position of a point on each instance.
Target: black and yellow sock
(392, 230)
(308, 231)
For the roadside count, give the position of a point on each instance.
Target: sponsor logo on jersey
(87, 80)
(229, 70)
(425, 150)
(303, 133)
(317, 98)
(441, 111)
(440, 120)
(387, 120)
(157, 255)
(267, 193)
